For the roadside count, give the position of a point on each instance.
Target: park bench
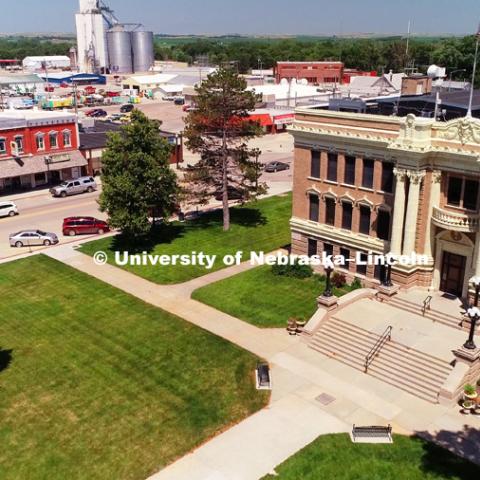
(372, 433)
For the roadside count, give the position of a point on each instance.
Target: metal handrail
(386, 336)
(426, 304)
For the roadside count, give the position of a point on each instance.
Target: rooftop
(23, 118)
(156, 78)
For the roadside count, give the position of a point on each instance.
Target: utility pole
(472, 87)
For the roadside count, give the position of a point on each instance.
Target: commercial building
(371, 183)
(147, 83)
(38, 148)
(94, 137)
(315, 73)
(33, 64)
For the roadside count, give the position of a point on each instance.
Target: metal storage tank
(142, 47)
(120, 50)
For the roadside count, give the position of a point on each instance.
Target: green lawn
(408, 458)
(260, 226)
(264, 299)
(97, 385)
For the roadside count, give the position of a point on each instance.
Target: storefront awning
(37, 164)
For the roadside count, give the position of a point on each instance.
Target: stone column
(398, 212)
(434, 202)
(412, 211)
(477, 254)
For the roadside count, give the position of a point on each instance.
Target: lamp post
(473, 314)
(328, 286)
(476, 284)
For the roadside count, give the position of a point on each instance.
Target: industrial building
(33, 64)
(107, 45)
(21, 83)
(58, 78)
(147, 83)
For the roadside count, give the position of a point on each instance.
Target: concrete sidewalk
(253, 448)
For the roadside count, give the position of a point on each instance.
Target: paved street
(46, 213)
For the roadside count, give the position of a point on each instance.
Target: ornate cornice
(463, 130)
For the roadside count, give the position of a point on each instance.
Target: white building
(145, 83)
(50, 61)
(91, 37)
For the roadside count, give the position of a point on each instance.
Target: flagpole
(470, 101)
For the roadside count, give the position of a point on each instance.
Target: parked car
(276, 166)
(179, 101)
(8, 209)
(96, 112)
(73, 187)
(233, 194)
(26, 238)
(127, 108)
(49, 88)
(84, 225)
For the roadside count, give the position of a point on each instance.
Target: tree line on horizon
(380, 54)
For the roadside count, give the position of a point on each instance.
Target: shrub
(295, 270)
(356, 284)
(469, 389)
(338, 280)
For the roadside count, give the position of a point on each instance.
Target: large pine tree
(136, 177)
(219, 130)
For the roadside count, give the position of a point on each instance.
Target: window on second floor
(365, 214)
(314, 208)
(330, 211)
(462, 193)
(347, 210)
(315, 164)
(3, 145)
(67, 138)
(332, 167)
(40, 142)
(19, 142)
(53, 138)
(367, 176)
(383, 225)
(387, 177)
(349, 177)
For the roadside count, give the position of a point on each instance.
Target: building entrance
(453, 273)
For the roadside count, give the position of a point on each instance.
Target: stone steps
(432, 314)
(410, 370)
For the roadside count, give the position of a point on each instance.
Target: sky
(256, 17)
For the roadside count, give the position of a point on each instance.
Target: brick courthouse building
(369, 183)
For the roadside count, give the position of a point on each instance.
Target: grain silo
(119, 43)
(142, 49)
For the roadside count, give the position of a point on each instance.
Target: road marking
(57, 209)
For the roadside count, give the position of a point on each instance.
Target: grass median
(256, 226)
(95, 384)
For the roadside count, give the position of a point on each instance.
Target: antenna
(470, 101)
(408, 40)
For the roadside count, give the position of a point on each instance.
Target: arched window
(53, 138)
(67, 138)
(40, 141)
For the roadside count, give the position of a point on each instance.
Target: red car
(49, 88)
(83, 226)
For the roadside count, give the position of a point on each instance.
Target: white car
(8, 209)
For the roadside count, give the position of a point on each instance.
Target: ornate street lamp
(328, 287)
(473, 314)
(476, 284)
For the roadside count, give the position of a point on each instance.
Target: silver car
(73, 187)
(28, 238)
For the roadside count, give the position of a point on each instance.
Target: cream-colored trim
(337, 235)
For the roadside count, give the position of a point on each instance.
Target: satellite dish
(434, 71)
